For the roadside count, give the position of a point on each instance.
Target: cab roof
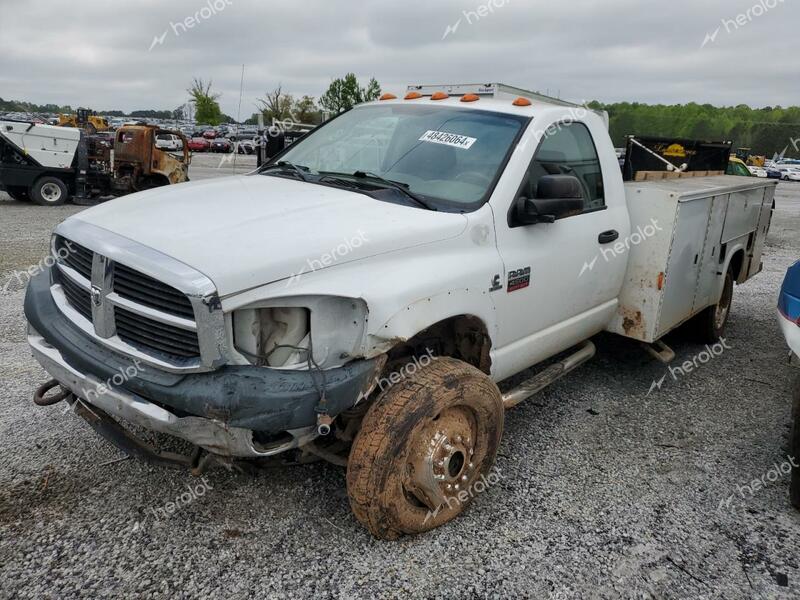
(495, 97)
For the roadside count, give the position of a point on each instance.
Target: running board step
(549, 376)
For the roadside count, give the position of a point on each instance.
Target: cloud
(100, 55)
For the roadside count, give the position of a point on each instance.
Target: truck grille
(148, 291)
(75, 256)
(149, 335)
(78, 297)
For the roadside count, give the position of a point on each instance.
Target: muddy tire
(49, 191)
(710, 324)
(425, 448)
(794, 445)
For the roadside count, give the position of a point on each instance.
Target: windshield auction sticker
(448, 139)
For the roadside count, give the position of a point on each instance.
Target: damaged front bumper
(235, 411)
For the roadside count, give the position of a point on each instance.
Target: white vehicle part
(464, 266)
(335, 325)
(791, 331)
(679, 270)
(573, 291)
(260, 234)
(48, 145)
(268, 333)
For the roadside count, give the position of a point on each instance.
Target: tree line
(764, 130)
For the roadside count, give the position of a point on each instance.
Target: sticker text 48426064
(448, 139)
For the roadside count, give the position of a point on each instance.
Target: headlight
(280, 333)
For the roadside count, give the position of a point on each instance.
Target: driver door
(559, 288)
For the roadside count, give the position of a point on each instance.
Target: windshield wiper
(394, 185)
(285, 164)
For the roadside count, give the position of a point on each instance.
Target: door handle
(612, 235)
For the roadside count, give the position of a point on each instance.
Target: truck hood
(251, 230)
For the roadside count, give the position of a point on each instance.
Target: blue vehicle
(773, 173)
(789, 318)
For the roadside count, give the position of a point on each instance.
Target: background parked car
(243, 134)
(169, 141)
(758, 171)
(773, 172)
(221, 145)
(789, 173)
(199, 144)
(246, 146)
(209, 134)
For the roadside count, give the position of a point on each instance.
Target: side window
(568, 149)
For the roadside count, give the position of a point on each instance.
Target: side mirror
(557, 196)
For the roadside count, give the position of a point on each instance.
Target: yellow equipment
(84, 119)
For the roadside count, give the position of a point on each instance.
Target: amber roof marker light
(521, 102)
(439, 96)
(388, 97)
(470, 98)
(413, 95)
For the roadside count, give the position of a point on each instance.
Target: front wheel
(425, 449)
(49, 191)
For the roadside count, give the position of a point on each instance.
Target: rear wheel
(425, 449)
(49, 191)
(710, 324)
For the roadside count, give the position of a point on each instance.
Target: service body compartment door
(683, 268)
(764, 222)
(708, 282)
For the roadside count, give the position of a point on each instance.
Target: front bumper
(238, 411)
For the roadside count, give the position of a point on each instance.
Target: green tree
(207, 110)
(305, 111)
(343, 94)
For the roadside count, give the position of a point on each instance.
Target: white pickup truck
(359, 297)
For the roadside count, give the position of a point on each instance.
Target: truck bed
(684, 234)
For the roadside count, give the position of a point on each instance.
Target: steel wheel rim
(51, 192)
(445, 460)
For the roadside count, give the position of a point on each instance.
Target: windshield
(445, 153)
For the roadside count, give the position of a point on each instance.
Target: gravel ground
(605, 492)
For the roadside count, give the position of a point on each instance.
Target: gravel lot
(606, 492)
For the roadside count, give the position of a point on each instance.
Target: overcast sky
(98, 53)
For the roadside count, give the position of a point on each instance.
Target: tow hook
(39, 395)
(324, 422)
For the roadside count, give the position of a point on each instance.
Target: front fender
(407, 291)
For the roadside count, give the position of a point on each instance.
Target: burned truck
(49, 165)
